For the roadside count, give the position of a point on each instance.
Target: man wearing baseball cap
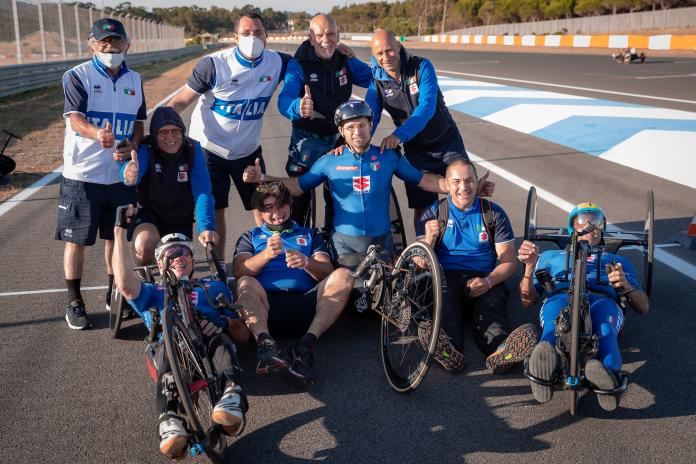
(104, 113)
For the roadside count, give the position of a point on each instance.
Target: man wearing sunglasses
(613, 286)
(219, 328)
(104, 112)
(287, 285)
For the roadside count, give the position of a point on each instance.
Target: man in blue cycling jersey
(218, 328)
(360, 179)
(172, 182)
(475, 245)
(607, 316)
(287, 285)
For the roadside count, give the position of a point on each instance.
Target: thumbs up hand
(105, 136)
(485, 186)
(253, 174)
(306, 104)
(130, 174)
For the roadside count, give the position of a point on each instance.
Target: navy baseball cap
(106, 27)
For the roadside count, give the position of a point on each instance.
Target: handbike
(575, 343)
(198, 387)
(408, 297)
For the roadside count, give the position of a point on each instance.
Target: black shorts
(291, 313)
(434, 159)
(85, 207)
(145, 216)
(221, 170)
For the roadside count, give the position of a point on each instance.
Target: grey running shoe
(543, 364)
(602, 378)
(76, 316)
(445, 354)
(514, 349)
(269, 357)
(301, 362)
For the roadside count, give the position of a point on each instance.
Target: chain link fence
(33, 31)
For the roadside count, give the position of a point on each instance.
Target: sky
(310, 6)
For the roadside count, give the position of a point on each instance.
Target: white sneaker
(172, 435)
(228, 411)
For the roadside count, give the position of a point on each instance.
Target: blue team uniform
(607, 317)
(360, 186)
(152, 296)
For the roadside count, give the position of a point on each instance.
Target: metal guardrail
(21, 78)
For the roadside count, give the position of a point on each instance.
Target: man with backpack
(475, 244)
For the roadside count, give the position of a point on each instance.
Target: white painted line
(50, 290)
(671, 76)
(48, 178)
(572, 87)
(678, 264)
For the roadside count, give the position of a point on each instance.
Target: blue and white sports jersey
(276, 275)
(464, 245)
(360, 187)
(152, 296)
(91, 91)
(555, 262)
(235, 94)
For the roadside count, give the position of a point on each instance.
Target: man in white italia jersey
(104, 113)
(233, 88)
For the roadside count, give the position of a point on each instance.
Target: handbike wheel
(411, 320)
(196, 395)
(574, 367)
(116, 312)
(649, 247)
(397, 223)
(530, 215)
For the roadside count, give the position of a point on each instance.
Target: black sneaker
(515, 348)
(76, 316)
(445, 354)
(543, 364)
(603, 379)
(301, 362)
(269, 357)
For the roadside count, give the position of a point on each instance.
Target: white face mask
(250, 46)
(111, 60)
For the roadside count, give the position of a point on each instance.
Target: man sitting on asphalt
(215, 325)
(286, 284)
(172, 181)
(475, 245)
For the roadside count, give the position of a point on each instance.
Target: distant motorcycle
(628, 55)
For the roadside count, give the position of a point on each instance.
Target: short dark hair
(252, 15)
(272, 189)
(462, 162)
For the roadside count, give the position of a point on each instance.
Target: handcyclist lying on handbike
(617, 285)
(219, 328)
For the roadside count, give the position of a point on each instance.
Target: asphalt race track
(82, 397)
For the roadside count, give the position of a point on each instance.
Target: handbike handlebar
(222, 274)
(372, 252)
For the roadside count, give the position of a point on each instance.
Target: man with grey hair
(317, 81)
(104, 113)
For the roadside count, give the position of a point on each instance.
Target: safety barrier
(651, 42)
(20, 78)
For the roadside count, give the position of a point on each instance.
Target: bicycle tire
(189, 369)
(407, 348)
(574, 363)
(397, 223)
(116, 312)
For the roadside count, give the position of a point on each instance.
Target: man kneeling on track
(172, 181)
(286, 284)
(219, 328)
(607, 316)
(469, 234)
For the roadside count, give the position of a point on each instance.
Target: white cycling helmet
(171, 240)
